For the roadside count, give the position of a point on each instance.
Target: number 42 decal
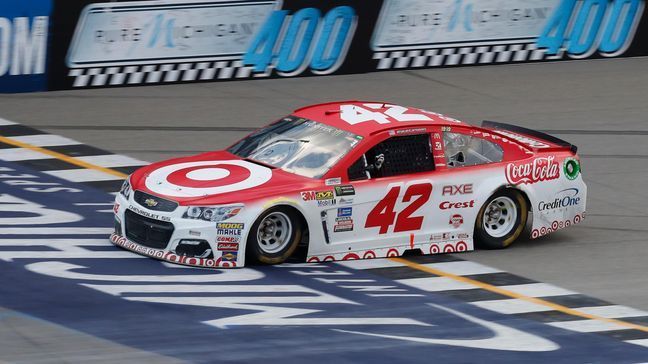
(383, 214)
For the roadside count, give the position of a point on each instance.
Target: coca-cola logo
(540, 169)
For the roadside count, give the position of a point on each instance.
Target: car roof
(330, 113)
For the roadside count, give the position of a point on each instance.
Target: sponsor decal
(571, 168)
(452, 190)
(438, 146)
(197, 179)
(326, 203)
(229, 256)
(194, 233)
(227, 246)
(463, 236)
(346, 190)
(538, 170)
(407, 131)
(446, 205)
(456, 220)
(333, 181)
(229, 228)
(345, 211)
(139, 211)
(116, 208)
(317, 195)
(440, 237)
(342, 228)
(228, 239)
(346, 201)
(565, 198)
(324, 195)
(344, 221)
(230, 225)
(150, 202)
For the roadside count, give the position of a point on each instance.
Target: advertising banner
(121, 43)
(24, 27)
(433, 33)
(94, 43)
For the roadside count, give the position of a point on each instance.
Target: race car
(352, 180)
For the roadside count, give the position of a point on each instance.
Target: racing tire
(501, 220)
(274, 236)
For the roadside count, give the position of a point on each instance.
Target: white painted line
(642, 342)
(20, 154)
(370, 263)
(56, 231)
(94, 203)
(511, 306)
(55, 242)
(612, 311)
(588, 325)
(538, 290)
(6, 122)
(395, 295)
(45, 140)
(82, 175)
(113, 160)
(436, 284)
(462, 268)
(9, 256)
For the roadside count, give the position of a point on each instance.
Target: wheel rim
(274, 232)
(499, 217)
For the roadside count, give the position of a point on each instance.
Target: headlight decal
(214, 214)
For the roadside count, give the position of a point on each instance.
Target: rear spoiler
(529, 132)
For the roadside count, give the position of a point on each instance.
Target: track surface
(598, 105)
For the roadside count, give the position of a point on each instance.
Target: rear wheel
(274, 236)
(501, 220)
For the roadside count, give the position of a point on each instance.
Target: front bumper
(225, 242)
(171, 257)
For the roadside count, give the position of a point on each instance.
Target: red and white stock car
(352, 180)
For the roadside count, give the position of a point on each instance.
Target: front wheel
(501, 220)
(274, 236)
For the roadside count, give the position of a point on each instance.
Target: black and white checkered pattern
(439, 57)
(160, 73)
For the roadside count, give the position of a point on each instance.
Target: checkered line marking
(438, 57)
(160, 73)
(45, 163)
(517, 308)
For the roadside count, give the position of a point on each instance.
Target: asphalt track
(598, 105)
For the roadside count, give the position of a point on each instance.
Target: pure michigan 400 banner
(119, 43)
(583, 27)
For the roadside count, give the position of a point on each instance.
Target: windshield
(297, 145)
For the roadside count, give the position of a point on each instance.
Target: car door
(388, 200)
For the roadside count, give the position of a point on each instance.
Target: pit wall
(69, 44)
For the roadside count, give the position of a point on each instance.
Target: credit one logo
(564, 198)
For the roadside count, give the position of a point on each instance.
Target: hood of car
(216, 178)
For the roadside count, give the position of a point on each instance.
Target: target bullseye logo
(195, 179)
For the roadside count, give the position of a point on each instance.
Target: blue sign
(24, 28)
